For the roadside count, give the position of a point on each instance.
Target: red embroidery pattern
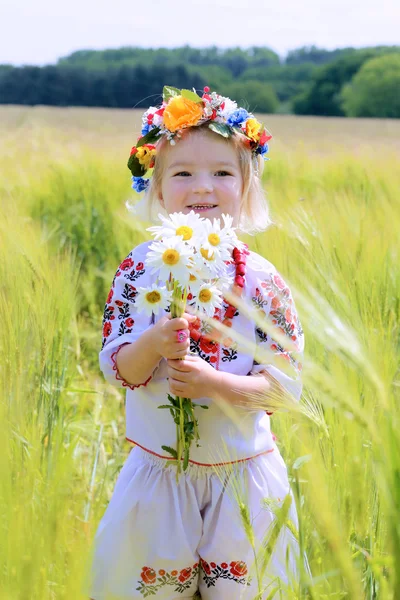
(234, 571)
(152, 581)
(117, 310)
(283, 315)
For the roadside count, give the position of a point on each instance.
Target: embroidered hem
(151, 581)
(117, 374)
(199, 464)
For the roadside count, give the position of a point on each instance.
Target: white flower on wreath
(170, 257)
(208, 299)
(229, 108)
(153, 299)
(189, 227)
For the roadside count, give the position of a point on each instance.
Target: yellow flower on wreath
(253, 129)
(145, 155)
(182, 112)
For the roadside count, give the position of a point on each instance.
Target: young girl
(196, 536)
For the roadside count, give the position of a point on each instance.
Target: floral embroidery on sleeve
(274, 298)
(117, 311)
(119, 314)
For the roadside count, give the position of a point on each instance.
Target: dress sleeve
(122, 323)
(280, 359)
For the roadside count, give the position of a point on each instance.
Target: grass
(333, 190)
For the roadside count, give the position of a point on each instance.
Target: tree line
(309, 81)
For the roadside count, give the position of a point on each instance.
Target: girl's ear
(161, 199)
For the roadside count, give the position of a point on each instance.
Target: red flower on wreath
(129, 322)
(126, 264)
(238, 568)
(148, 575)
(185, 574)
(107, 329)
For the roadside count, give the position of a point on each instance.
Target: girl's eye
(222, 173)
(182, 174)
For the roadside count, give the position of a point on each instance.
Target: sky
(40, 32)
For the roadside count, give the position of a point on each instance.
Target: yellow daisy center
(153, 297)
(171, 256)
(205, 254)
(185, 231)
(214, 239)
(205, 295)
(192, 278)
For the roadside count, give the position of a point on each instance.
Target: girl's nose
(202, 185)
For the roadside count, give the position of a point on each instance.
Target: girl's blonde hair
(254, 211)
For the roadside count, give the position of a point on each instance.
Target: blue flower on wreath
(140, 184)
(146, 127)
(262, 150)
(238, 117)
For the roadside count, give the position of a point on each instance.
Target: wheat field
(333, 189)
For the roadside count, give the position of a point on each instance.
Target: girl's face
(202, 173)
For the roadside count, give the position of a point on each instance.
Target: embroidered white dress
(186, 539)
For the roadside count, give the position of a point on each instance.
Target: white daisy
(208, 299)
(153, 299)
(225, 282)
(220, 241)
(213, 264)
(170, 257)
(189, 227)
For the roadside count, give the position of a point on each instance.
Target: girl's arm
(137, 361)
(195, 378)
(237, 389)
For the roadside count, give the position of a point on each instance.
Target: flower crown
(181, 109)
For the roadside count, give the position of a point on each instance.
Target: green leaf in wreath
(150, 137)
(165, 406)
(202, 406)
(135, 167)
(170, 92)
(221, 129)
(170, 451)
(191, 96)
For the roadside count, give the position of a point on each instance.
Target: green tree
(253, 95)
(324, 94)
(375, 90)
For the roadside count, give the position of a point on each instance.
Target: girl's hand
(166, 339)
(192, 377)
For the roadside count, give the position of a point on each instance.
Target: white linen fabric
(241, 433)
(166, 539)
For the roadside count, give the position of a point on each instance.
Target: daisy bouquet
(190, 255)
